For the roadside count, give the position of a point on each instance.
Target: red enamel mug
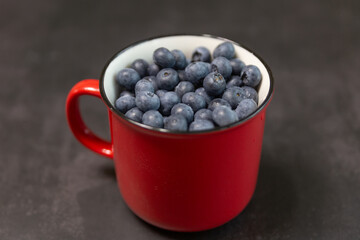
(180, 181)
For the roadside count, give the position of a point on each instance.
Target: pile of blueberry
(176, 94)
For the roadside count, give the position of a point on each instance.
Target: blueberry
(203, 114)
(237, 66)
(218, 102)
(251, 93)
(182, 75)
(160, 93)
(225, 49)
(167, 101)
(164, 58)
(201, 54)
(176, 123)
(127, 78)
(180, 59)
(152, 79)
(153, 69)
(200, 124)
(125, 103)
(123, 93)
(194, 100)
(245, 108)
(140, 65)
(251, 76)
(144, 85)
(214, 84)
(224, 116)
(234, 95)
(167, 79)
(165, 119)
(153, 118)
(235, 81)
(184, 110)
(196, 71)
(202, 92)
(147, 101)
(208, 65)
(184, 87)
(134, 114)
(222, 66)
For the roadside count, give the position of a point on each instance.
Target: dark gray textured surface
(54, 188)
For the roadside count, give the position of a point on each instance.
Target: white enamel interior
(185, 43)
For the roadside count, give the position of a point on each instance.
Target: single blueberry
(196, 71)
(201, 91)
(140, 65)
(201, 124)
(251, 76)
(161, 93)
(167, 101)
(153, 118)
(127, 78)
(235, 81)
(184, 87)
(222, 66)
(224, 116)
(123, 93)
(144, 85)
(176, 123)
(237, 66)
(234, 95)
(218, 102)
(182, 75)
(201, 54)
(125, 103)
(184, 110)
(134, 114)
(152, 79)
(147, 101)
(167, 79)
(164, 58)
(153, 69)
(214, 84)
(245, 108)
(180, 59)
(204, 114)
(225, 49)
(251, 93)
(194, 100)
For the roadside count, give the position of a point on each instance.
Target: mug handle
(76, 123)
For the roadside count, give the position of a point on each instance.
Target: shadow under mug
(180, 181)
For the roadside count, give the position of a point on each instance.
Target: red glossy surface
(77, 125)
(187, 182)
(180, 182)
